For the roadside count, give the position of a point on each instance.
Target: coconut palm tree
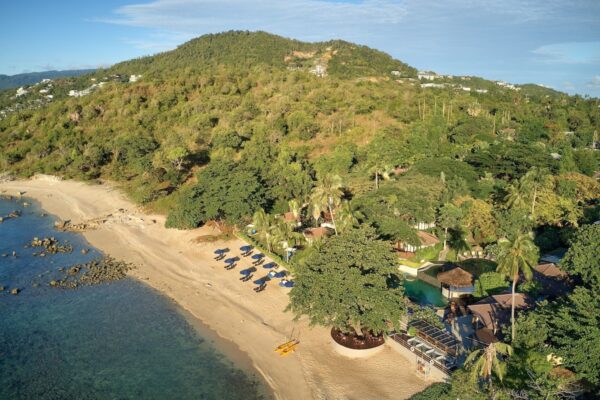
(485, 362)
(525, 192)
(535, 180)
(295, 208)
(516, 196)
(284, 235)
(515, 256)
(347, 218)
(382, 170)
(263, 223)
(327, 195)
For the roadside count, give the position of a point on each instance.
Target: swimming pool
(423, 293)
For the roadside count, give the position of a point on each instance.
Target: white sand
(170, 261)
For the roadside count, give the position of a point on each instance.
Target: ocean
(117, 340)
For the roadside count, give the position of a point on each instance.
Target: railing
(403, 340)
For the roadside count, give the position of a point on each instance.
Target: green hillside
(241, 127)
(242, 49)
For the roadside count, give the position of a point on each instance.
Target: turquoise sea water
(119, 340)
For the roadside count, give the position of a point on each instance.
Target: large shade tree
(350, 284)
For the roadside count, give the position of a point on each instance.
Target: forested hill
(14, 81)
(278, 114)
(244, 50)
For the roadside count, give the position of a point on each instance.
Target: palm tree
(295, 208)
(327, 194)
(515, 256)
(263, 223)
(458, 240)
(347, 218)
(285, 236)
(535, 180)
(382, 170)
(449, 217)
(485, 362)
(516, 196)
(525, 192)
(316, 213)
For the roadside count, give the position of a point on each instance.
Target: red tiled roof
(316, 232)
(550, 270)
(427, 239)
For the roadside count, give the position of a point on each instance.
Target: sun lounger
(246, 278)
(260, 288)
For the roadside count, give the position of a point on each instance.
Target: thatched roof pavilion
(456, 277)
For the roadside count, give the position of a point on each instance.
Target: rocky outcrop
(98, 271)
(50, 245)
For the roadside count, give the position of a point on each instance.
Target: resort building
(312, 234)
(291, 218)
(456, 282)
(553, 280)
(493, 312)
(427, 75)
(426, 239)
(433, 350)
(424, 225)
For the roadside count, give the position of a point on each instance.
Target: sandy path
(171, 262)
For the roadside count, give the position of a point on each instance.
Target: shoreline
(172, 262)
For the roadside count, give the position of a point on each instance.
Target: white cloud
(312, 19)
(569, 53)
(594, 83)
(206, 15)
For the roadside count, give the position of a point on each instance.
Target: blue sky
(550, 42)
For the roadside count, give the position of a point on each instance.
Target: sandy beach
(173, 262)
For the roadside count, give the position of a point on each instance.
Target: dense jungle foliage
(235, 125)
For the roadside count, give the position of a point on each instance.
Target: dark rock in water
(92, 273)
(2, 288)
(15, 291)
(14, 214)
(51, 246)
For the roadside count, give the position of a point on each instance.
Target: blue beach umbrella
(269, 265)
(258, 256)
(221, 251)
(231, 260)
(281, 274)
(247, 271)
(259, 281)
(246, 248)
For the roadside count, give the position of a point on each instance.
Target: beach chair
(260, 288)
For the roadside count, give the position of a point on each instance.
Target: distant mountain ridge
(15, 81)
